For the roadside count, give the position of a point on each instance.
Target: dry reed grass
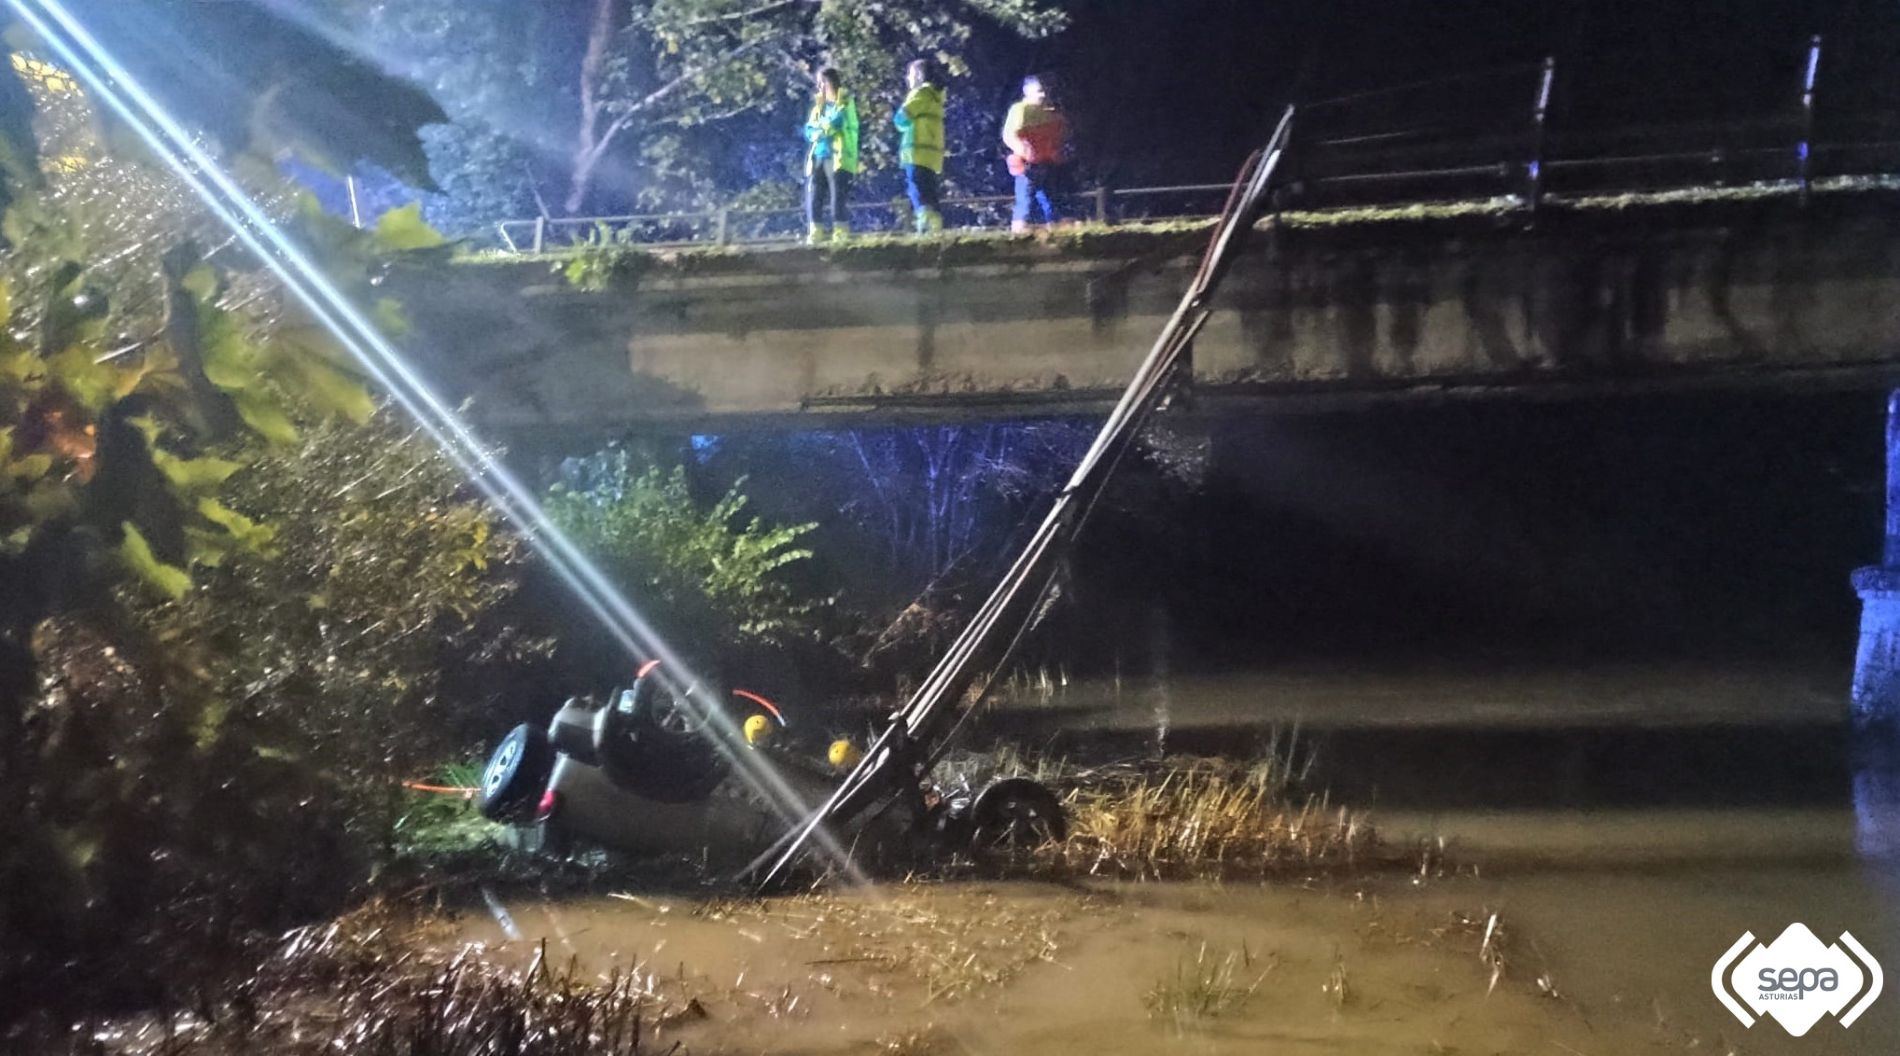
(1206, 988)
(364, 985)
(1209, 821)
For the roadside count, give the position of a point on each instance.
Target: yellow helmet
(843, 754)
(758, 730)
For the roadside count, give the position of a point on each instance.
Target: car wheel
(516, 774)
(653, 742)
(1017, 813)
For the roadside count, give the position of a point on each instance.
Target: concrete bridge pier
(1876, 694)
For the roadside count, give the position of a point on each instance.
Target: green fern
(707, 572)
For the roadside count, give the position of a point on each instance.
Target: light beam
(111, 82)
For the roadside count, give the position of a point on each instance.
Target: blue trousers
(1035, 189)
(925, 187)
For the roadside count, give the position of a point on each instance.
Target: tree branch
(740, 16)
(678, 121)
(624, 117)
(534, 188)
(660, 94)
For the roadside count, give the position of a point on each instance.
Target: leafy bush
(233, 607)
(360, 635)
(229, 758)
(702, 576)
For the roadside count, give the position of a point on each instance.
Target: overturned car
(650, 771)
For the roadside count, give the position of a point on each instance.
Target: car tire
(1017, 813)
(516, 774)
(649, 744)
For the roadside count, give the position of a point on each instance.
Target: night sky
(1181, 91)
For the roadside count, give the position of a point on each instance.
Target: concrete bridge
(1737, 287)
(1744, 287)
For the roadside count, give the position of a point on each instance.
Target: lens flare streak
(111, 83)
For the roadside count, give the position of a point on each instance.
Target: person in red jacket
(1038, 139)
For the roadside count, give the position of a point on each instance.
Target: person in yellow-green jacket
(920, 145)
(831, 159)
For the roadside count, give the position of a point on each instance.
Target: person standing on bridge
(920, 145)
(1038, 139)
(831, 159)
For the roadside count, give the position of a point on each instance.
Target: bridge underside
(1751, 291)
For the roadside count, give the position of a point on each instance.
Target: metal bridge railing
(735, 226)
(1523, 132)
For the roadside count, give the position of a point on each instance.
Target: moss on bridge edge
(599, 267)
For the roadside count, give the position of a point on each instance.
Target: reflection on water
(1877, 801)
(1551, 738)
(1160, 688)
(1633, 821)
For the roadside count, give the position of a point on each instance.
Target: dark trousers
(1036, 188)
(827, 196)
(925, 187)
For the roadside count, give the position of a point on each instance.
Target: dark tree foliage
(598, 106)
(916, 523)
(485, 176)
(256, 80)
(942, 501)
(913, 522)
(352, 633)
(712, 580)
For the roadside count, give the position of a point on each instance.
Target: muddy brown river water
(1615, 888)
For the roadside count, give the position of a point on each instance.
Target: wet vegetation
(240, 605)
(216, 564)
(1205, 987)
(1189, 818)
(366, 984)
(1211, 820)
(709, 575)
(380, 979)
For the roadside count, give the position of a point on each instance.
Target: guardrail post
(721, 232)
(540, 232)
(1101, 205)
(1540, 115)
(1802, 151)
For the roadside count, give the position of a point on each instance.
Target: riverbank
(1555, 933)
(1417, 928)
